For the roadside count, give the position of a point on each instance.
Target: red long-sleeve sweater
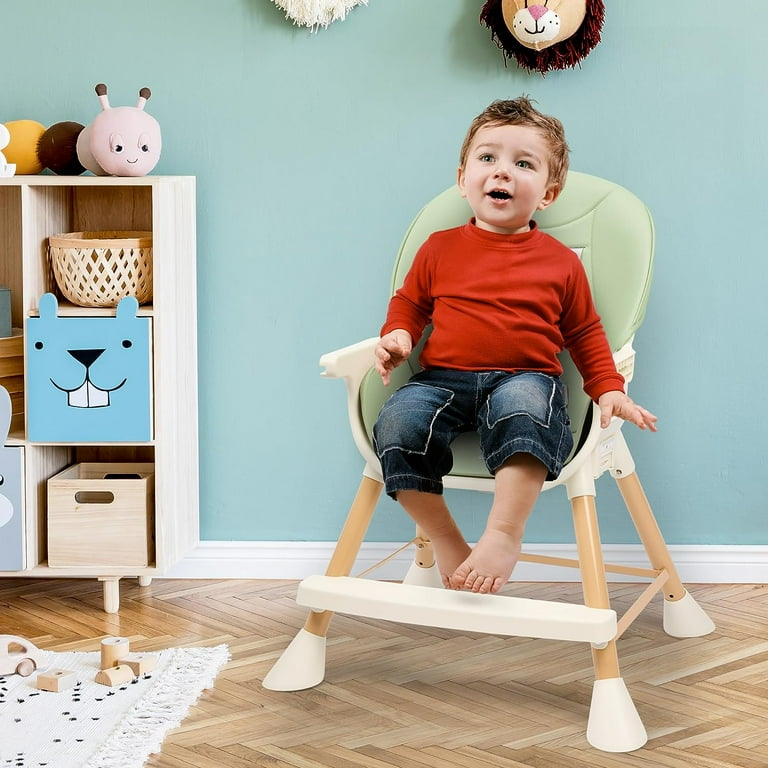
(503, 302)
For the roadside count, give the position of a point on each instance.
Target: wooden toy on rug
(113, 676)
(121, 141)
(117, 662)
(56, 680)
(113, 651)
(19, 656)
(140, 663)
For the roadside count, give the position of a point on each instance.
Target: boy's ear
(550, 195)
(460, 180)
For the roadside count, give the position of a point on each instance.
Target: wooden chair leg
(302, 663)
(593, 581)
(650, 534)
(614, 725)
(682, 615)
(348, 545)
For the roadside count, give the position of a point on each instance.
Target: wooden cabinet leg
(111, 593)
(145, 581)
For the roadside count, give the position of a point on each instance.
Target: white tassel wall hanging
(317, 13)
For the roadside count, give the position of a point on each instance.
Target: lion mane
(567, 53)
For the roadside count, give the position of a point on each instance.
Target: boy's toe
(459, 578)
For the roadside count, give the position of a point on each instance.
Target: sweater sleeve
(411, 306)
(585, 339)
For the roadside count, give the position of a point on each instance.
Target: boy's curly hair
(520, 111)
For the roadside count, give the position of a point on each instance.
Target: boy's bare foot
(490, 564)
(450, 552)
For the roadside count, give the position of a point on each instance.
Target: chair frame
(613, 723)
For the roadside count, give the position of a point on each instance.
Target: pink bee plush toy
(121, 141)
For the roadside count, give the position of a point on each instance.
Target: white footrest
(431, 607)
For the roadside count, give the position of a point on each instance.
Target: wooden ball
(57, 149)
(22, 148)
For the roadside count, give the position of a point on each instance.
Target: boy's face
(505, 177)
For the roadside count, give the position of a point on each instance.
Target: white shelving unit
(31, 209)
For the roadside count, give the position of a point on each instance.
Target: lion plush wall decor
(544, 34)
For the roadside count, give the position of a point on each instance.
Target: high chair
(613, 234)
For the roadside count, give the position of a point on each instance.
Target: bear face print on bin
(88, 377)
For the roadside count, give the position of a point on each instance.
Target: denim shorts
(512, 413)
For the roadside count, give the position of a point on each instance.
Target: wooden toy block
(118, 675)
(56, 680)
(140, 663)
(113, 650)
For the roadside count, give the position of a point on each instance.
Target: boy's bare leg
(430, 512)
(490, 564)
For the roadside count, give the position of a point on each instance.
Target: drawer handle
(94, 497)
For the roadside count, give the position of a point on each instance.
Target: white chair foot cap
(423, 577)
(301, 665)
(614, 725)
(686, 618)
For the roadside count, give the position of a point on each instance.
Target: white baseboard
(297, 559)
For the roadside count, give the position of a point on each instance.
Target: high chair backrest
(610, 229)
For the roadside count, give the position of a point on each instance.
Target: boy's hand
(616, 403)
(393, 348)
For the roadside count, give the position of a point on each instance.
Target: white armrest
(353, 361)
(352, 364)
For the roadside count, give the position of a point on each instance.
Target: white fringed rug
(95, 726)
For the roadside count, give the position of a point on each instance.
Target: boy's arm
(591, 352)
(408, 314)
(410, 309)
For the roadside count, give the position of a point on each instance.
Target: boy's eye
(486, 158)
(523, 164)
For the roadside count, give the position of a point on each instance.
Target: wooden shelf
(32, 208)
(67, 309)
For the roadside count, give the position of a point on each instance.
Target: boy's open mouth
(499, 194)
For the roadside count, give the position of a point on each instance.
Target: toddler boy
(503, 299)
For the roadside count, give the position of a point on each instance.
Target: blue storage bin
(88, 377)
(11, 509)
(11, 485)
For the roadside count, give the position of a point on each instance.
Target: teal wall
(313, 152)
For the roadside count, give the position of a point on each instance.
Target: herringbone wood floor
(398, 695)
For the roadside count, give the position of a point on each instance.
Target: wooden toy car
(18, 656)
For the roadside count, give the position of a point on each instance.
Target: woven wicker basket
(97, 269)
